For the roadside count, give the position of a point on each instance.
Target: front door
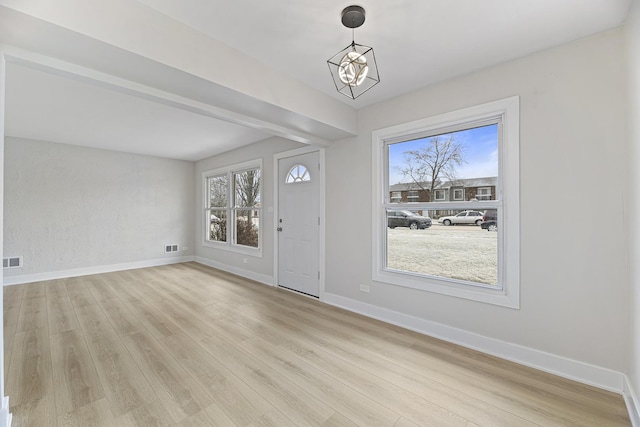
(298, 223)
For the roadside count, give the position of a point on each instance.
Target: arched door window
(298, 173)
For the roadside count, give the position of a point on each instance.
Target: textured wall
(573, 240)
(69, 207)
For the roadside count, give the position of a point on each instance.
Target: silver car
(466, 217)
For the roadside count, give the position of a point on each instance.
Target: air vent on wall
(12, 262)
(170, 248)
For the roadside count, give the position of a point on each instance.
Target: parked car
(490, 220)
(407, 219)
(466, 217)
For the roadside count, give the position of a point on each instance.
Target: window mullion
(231, 202)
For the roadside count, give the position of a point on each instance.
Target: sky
(480, 148)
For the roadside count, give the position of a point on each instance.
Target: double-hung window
(233, 211)
(471, 249)
(484, 193)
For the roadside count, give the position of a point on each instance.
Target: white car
(466, 217)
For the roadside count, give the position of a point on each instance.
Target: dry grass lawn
(464, 252)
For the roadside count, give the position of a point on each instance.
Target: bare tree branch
(429, 164)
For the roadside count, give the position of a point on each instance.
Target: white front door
(298, 223)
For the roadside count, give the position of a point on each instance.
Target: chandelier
(354, 69)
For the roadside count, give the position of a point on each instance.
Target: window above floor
(233, 209)
(463, 248)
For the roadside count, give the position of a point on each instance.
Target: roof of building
(490, 181)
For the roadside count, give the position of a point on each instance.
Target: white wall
(257, 268)
(70, 207)
(572, 136)
(633, 203)
(5, 416)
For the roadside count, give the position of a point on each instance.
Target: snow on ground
(465, 252)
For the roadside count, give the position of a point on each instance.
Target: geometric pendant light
(354, 69)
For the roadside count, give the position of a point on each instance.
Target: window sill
(254, 252)
(488, 295)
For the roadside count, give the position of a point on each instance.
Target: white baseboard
(633, 404)
(51, 275)
(262, 278)
(5, 415)
(568, 368)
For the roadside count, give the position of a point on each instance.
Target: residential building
(447, 191)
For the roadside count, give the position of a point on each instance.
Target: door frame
(321, 212)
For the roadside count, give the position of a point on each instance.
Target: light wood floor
(191, 346)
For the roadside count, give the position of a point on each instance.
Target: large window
(233, 209)
(471, 248)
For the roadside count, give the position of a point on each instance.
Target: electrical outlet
(364, 288)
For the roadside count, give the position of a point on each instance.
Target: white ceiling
(48, 107)
(416, 43)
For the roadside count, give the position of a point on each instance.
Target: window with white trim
(440, 195)
(484, 193)
(412, 196)
(232, 205)
(396, 196)
(474, 147)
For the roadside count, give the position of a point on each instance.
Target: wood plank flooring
(186, 345)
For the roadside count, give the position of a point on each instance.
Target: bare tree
(247, 191)
(248, 188)
(430, 163)
(218, 193)
(218, 186)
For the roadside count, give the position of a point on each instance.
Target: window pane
(217, 225)
(247, 188)
(218, 190)
(247, 227)
(464, 252)
(466, 158)
(298, 173)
